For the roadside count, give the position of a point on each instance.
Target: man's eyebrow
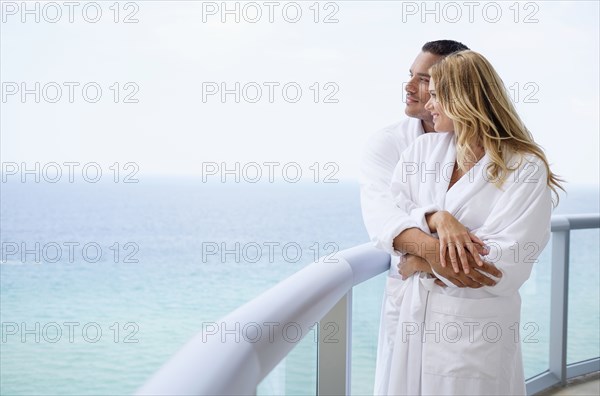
(420, 74)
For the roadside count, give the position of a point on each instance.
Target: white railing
(234, 357)
(559, 371)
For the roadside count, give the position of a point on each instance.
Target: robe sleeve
(518, 228)
(380, 212)
(404, 190)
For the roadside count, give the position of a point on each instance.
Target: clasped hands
(457, 258)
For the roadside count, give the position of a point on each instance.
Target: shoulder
(399, 134)
(386, 145)
(431, 142)
(408, 126)
(527, 179)
(435, 138)
(527, 168)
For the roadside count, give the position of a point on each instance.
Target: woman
(485, 182)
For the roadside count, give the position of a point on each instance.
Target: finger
(452, 254)
(473, 250)
(440, 283)
(475, 239)
(485, 250)
(482, 279)
(469, 282)
(482, 250)
(491, 269)
(480, 245)
(463, 258)
(442, 255)
(456, 282)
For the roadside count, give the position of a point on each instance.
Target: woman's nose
(428, 105)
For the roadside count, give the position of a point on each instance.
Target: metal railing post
(559, 301)
(334, 349)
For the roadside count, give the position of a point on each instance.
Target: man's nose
(410, 87)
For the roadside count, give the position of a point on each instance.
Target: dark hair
(443, 47)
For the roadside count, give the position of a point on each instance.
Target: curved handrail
(233, 361)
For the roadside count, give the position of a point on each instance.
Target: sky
(140, 83)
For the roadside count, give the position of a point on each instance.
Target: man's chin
(411, 112)
(417, 115)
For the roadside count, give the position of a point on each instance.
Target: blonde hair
(472, 94)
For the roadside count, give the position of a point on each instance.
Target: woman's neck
(478, 151)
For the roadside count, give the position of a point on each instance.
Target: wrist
(432, 220)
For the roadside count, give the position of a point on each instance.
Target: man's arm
(409, 265)
(415, 242)
(378, 163)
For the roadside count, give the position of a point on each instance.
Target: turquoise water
(152, 288)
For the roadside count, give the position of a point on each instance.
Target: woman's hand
(410, 264)
(455, 241)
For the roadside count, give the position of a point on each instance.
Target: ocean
(101, 282)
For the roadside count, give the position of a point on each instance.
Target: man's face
(417, 88)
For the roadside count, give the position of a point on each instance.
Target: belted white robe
(462, 341)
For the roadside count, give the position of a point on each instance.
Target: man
(378, 208)
(384, 148)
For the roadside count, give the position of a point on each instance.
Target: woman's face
(441, 122)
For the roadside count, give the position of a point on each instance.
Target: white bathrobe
(381, 155)
(462, 341)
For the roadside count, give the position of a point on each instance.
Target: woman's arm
(455, 240)
(518, 227)
(416, 242)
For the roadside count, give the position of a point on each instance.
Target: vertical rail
(334, 349)
(559, 302)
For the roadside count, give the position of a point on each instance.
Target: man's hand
(409, 264)
(416, 242)
(475, 279)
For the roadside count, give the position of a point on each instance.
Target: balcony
(322, 292)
